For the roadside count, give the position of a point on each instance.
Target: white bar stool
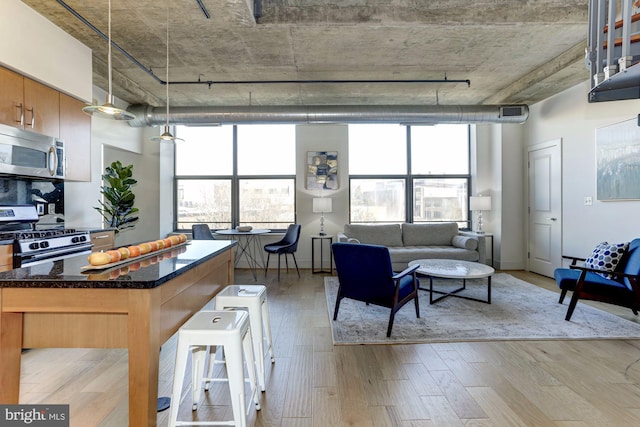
(230, 330)
(252, 298)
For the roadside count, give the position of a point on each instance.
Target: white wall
(569, 116)
(33, 46)
(320, 138)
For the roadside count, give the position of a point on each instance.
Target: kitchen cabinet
(6, 257)
(11, 97)
(27, 104)
(102, 240)
(42, 108)
(75, 131)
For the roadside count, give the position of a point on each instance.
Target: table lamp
(479, 204)
(322, 205)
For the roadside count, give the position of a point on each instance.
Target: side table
(486, 236)
(321, 238)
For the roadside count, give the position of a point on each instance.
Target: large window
(236, 175)
(409, 174)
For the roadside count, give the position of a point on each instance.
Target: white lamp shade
(480, 203)
(322, 204)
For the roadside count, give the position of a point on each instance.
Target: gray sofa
(408, 242)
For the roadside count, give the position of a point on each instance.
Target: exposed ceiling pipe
(147, 115)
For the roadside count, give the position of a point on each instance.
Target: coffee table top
(452, 268)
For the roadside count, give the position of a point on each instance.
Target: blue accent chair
(365, 274)
(623, 289)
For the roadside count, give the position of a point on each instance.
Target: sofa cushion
(429, 234)
(377, 234)
(465, 242)
(412, 253)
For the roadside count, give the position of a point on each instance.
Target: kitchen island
(136, 305)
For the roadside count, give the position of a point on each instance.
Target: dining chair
(201, 232)
(287, 246)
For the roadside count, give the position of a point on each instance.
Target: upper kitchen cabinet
(75, 131)
(11, 97)
(42, 108)
(27, 104)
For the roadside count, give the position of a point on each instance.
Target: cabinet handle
(33, 117)
(21, 108)
(100, 237)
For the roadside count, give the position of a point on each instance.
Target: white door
(545, 207)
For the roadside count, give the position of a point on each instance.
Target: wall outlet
(51, 209)
(588, 201)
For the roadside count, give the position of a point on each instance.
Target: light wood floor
(313, 383)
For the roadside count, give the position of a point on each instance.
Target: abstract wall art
(322, 170)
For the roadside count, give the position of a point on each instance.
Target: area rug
(518, 311)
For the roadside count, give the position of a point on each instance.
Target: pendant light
(108, 110)
(166, 136)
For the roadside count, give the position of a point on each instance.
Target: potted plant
(117, 208)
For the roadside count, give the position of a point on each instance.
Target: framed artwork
(618, 161)
(322, 170)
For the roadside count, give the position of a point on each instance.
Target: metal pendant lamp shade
(108, 110)
(167, 136)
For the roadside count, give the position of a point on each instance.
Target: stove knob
(34, 245)
(44, 245)
(74, 240)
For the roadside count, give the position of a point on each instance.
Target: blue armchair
(365, 274)
(622, 288)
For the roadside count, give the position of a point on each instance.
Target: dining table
(249, 246)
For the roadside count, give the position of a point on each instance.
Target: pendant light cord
(110, 76)
(167, 64)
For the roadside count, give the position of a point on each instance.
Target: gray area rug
(518, 311)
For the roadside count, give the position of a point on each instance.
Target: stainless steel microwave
(26, 153)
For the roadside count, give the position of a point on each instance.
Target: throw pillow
(606, 257)
(465, 242)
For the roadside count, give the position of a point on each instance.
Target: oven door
(28, 260)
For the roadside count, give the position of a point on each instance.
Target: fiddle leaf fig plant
(117, 208)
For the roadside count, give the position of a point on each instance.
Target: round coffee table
(453, 269)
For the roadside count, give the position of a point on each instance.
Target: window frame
(235, 179)
(410, 179)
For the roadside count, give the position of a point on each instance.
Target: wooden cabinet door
(11, 97)
(42, 108)
(6, 257)
(102, 240)
(75, 131)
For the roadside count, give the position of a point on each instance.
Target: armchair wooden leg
(417, 307)
(562, 295)
(572, 306)
(391, 318)
(335, 312)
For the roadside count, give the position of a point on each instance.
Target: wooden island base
(140, 320)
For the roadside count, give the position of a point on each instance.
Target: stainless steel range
(31, 246)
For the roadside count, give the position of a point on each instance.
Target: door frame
(556, 142)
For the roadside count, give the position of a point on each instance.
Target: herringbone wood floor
(313, 383)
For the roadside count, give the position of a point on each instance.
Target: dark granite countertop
(146, 273)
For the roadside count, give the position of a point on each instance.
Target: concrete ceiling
(512, 52)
